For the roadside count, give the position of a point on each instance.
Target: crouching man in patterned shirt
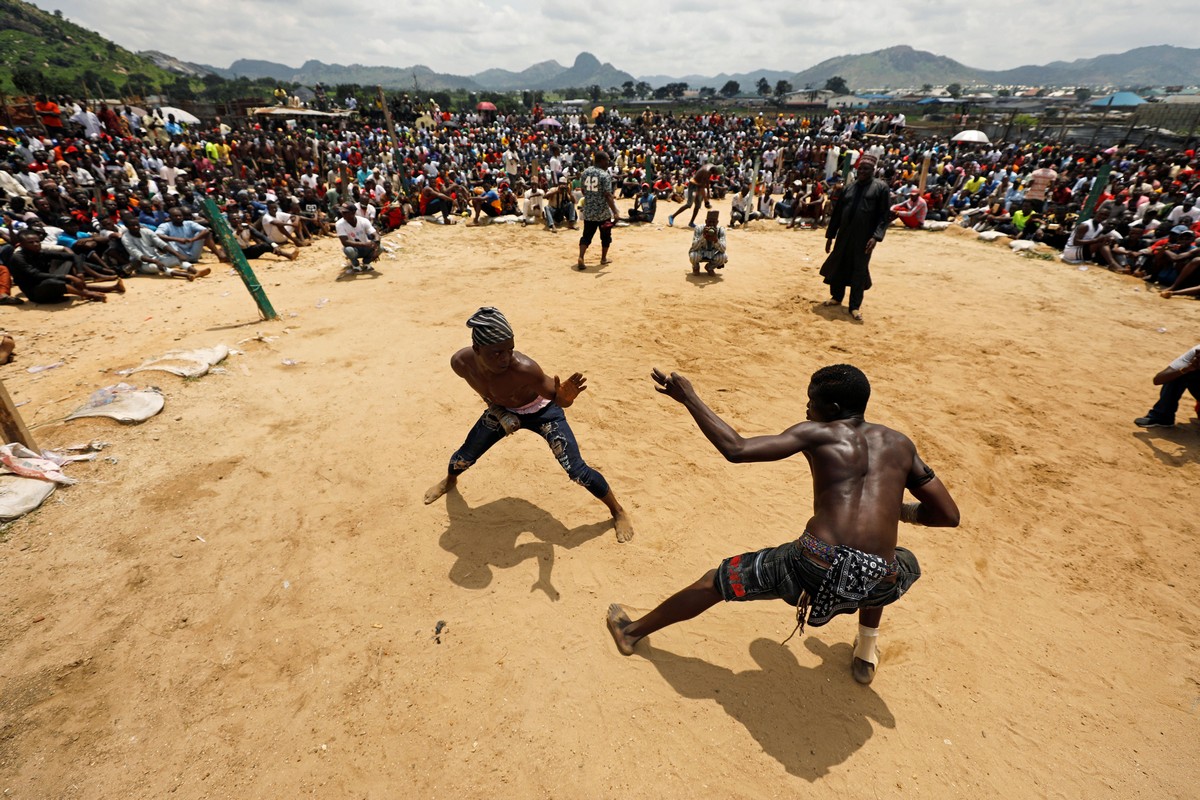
(846, 559)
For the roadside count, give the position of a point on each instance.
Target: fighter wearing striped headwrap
(489, 326)
(520, 395)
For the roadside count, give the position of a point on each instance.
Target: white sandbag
(184, 363)
(1022, 245)
(123, 403)
(934, 225)
(19, 496)
(991, 236)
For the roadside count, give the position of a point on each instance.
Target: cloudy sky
(642, 37)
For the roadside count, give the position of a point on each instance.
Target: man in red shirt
(51, 115)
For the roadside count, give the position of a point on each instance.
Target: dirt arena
(244, 604)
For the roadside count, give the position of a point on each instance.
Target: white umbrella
(979, 137)
(180, 115)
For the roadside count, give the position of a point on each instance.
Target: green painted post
(225, 236)
(1094, 195)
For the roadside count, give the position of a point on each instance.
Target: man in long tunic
(857, 223)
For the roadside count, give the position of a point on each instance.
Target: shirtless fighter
(847, 557)
(697, 192)
(519, 395)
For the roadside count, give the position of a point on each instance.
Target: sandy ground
(244, 604)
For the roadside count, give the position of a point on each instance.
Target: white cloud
(674, 38)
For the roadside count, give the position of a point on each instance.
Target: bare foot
(97, 297)
(7, 345)
(618, 620)
(863, 671)
(856, 314)
(190, 277)
(623, 525)
(1166, 293)
(120, 287)
(604, 262)
(832, 302)
(203, 272)
(580, 266)
(439, 489)
(696, 270)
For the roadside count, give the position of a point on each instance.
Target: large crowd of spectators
(95, 195)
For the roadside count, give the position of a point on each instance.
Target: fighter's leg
(866, 656)
(683, 605)
(558, 434)
(485, 433)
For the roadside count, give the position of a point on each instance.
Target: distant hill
(59, 55)
(906, 67)
(500, 80)
(1160, 65)
(586, 71)
(892, 68)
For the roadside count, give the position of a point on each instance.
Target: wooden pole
(226, 237)
(11, 424)
(924, 173)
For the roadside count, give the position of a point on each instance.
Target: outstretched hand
(568, 391)
(674, 386)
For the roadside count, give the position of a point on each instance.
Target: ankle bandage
(864, 645)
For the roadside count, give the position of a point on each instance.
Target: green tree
(1004, 93)
(643, 89)
(628, 91)
(762, 86)
(181, 89)
(731, 89)
(837, 85)
(926, 88)
(1083, 94)
(594, 92)
(28, 80)
(707, 91)
(782, 88)
(677, 89)
(954, 90)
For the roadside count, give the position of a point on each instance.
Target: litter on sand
(184, 363)
(17, 459)
(123, 403)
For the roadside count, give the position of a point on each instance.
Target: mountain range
(41, 50)
(892, 68)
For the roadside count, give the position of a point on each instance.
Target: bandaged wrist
(909, 512)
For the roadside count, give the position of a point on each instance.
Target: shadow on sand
(809, 719)
(485, 538)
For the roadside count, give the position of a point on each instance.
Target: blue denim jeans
(1172, 392)
(551, 424)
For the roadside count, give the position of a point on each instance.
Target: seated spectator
(360, 242)
(913, 210)
(47, 280)
(150, 255)
(189, 237)
(1182, 374)
(708, 246)
(253, 242)
(560, 207)
(645, 205)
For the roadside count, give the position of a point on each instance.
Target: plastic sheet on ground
(184, 363)
(17, 459)
(123, 403)
(19, 496)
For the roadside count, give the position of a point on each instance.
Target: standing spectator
(857, 223)
(599, 208)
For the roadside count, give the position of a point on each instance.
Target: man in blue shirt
(189, 237)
